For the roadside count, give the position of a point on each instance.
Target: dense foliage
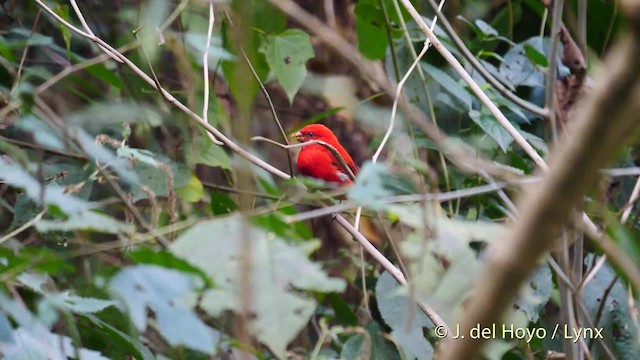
(128, 231)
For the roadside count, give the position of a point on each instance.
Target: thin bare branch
(592, 273)
(205, 72)
(16, 81)
(404, 79)
(329, 147)
(77, 67)
(391, 269)
(629, 205)
(272, 108)
(44, 148)
(172, 100)
(22, 227)
(86, 27)
(551, 74)
(440, 197)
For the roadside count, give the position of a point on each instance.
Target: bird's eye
(310, 134)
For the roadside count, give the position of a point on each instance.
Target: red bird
(317, 161)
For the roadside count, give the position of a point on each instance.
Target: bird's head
(315, 132)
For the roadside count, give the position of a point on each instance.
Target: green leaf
(63, 300)
(625, 238)
(535, 293)
(42, 132)
(101, 154)
(63, 11)
(343, 312)
(217, 247)
(106, 73)
(371, 32)
(221, 203)
(536, 56)
(98, 116)
(276, 223)
(370, 185)
(193, 191)
(287, 54)
(24, 210)
(377, 347)
(133, 345)
(78, 304)
(157, 179)
(506, 17)
(443, 287)
(15, 176)
(493, 128)
(141, 155)
(538, 143)
(35, 39)
(473, 26)
(403, 317)
(518, 70)
(13, 151)
(86, 220)
(196, 42)
(33, 258)
(317, 117)
(164, 291)
(486, 29)
(164, 258)
(203, 151)
(32, 339)
(33, 281)
(70, 174)
(616, 320)
(448, 84)
(152, 14)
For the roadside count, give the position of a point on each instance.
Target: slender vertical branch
(272, 108)
(205, 73)
(550, 82)
(582, 26)
(388, 266)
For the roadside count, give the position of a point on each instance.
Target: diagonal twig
(329, 147)
(170, 98)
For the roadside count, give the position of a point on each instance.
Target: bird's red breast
(317, 161)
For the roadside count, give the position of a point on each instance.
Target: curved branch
(398, 199)
(391, 269)
(329, 147)
(205, 72)
(394, 108)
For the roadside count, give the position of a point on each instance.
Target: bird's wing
(354, 168)
(342, 174)
(318, 162)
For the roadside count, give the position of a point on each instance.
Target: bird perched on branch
(318, 161)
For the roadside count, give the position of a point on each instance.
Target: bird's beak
(297, 135)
